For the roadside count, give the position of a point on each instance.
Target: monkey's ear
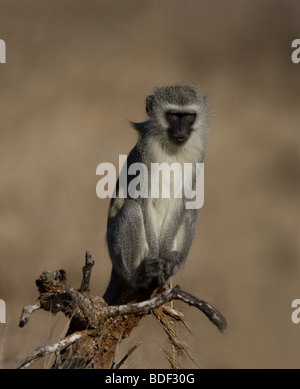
(149, 104)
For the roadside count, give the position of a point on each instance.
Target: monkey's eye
(190, 116)
(172, 116)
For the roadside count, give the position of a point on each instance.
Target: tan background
(76, 73)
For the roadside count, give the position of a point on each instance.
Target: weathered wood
(99, 327)
(86, 272)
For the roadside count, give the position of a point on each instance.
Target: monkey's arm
(176, 244)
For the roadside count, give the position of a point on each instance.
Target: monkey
(148, 238)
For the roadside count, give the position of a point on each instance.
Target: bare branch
(26, 313)
(175, 314)
(87, 271)
(43, 351)
(171, 294)
(130, 351)
(95, 329)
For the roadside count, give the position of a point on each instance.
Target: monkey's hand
(151, 270)
(171, 264)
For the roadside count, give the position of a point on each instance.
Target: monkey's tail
(118, 291)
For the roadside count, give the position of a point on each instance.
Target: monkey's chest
(163, 214)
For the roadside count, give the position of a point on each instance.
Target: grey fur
(142, 232)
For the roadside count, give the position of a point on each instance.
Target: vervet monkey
(149, 238)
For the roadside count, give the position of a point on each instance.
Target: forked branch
(95, 329)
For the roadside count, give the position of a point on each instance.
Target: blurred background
(76, 74)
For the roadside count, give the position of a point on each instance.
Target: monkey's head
(176, 112)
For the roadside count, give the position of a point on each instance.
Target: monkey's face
(179, 126)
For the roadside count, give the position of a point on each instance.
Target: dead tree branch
(43, 351)
(86, 272)
(96, 329)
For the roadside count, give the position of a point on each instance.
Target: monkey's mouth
(180, 138)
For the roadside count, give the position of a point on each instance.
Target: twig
(175, 341)
(175, 314)
(116, 350)
(43, 351)
(174, 354)
(173, 361)
(86, 270)
(27, 311)
(128, 354)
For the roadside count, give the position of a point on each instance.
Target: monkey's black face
(180, 126)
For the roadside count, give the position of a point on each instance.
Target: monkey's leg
(127, 245)
(176, 244)
(126, 239)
